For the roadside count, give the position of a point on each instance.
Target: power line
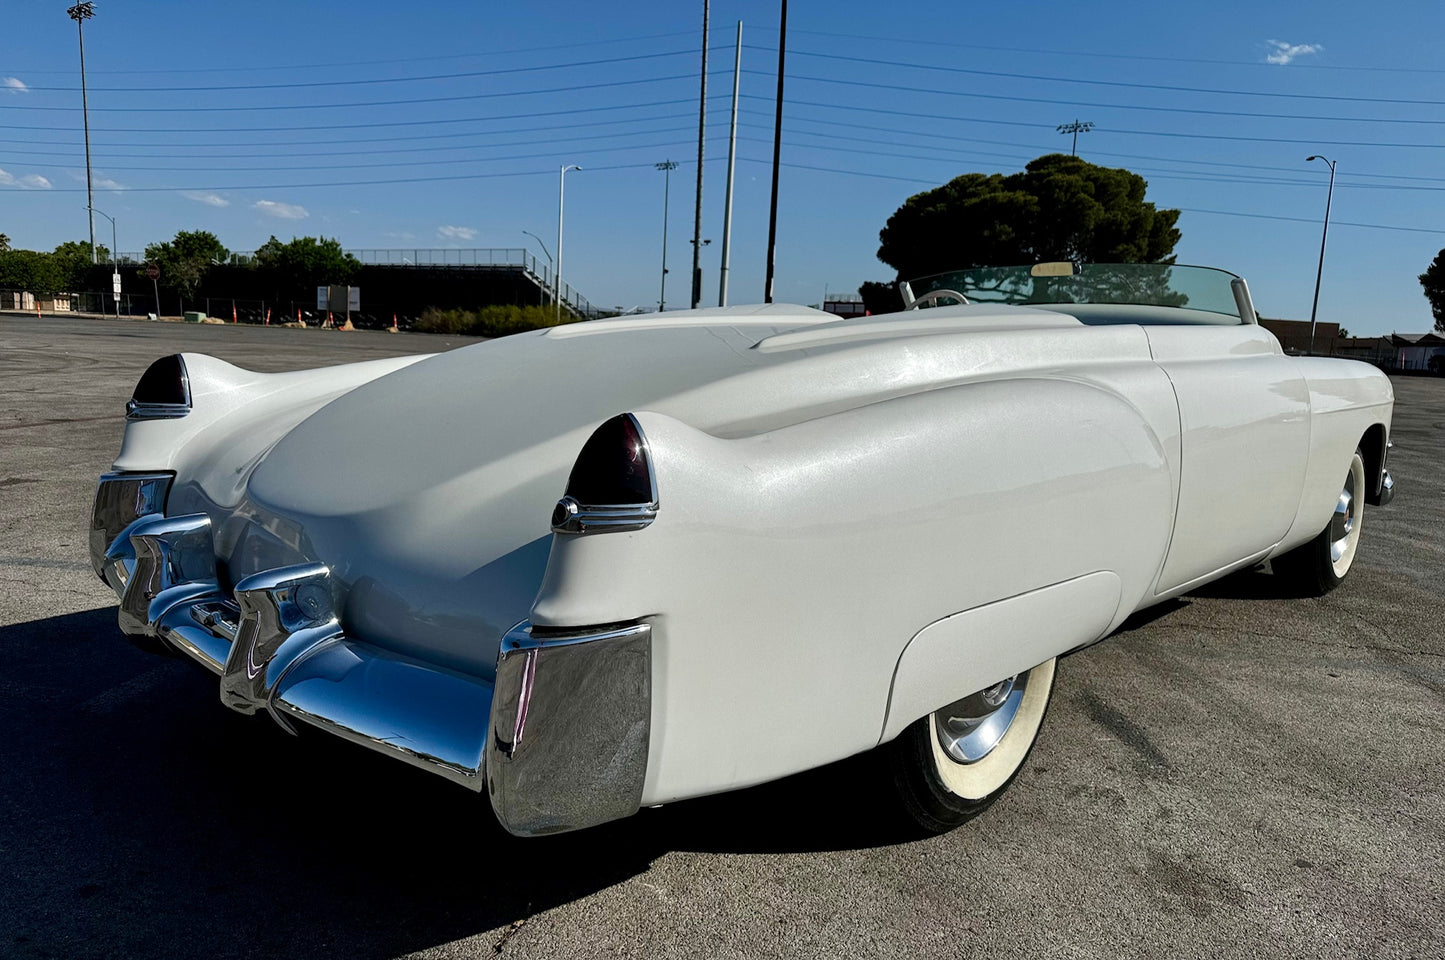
(470, 74)
(1054, 101)
(390, 163)
(1312, 141)
(572, 88)
(912, 42)
(475, 55)
(169, 149)
(194, 131)
(1176, 88)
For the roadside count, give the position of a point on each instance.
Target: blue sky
(883, 101)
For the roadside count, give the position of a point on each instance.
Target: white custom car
(627, 562)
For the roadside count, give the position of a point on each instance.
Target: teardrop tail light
(612, 486)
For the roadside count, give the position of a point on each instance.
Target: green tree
(30, 270)
(72, 259)
(4, 243)
(185, 259)
(1059, 207)
(295, 268)
(1433, 280)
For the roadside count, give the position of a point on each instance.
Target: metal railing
(539, 272)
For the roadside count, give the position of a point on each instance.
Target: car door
(1244, 425)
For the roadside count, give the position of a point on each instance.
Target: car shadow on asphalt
(143, 818)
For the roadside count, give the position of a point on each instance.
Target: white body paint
(860, 520)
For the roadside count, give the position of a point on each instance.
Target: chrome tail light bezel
(574, 514)
(163, 391)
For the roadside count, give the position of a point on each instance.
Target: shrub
(495, 321)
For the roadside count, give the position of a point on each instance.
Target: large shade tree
(298, 266)
(1433, 280)
(72, 259)
(1059, 207)
(185, 259)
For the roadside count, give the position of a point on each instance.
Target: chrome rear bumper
(569, 713)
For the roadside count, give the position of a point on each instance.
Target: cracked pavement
(1234, 774)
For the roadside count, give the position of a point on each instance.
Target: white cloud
(209, 199)
(1282, 53)
(98, 180)
(13, 84)
(456, 233)
(281, 211)
(30, 181)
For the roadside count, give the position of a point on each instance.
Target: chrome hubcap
(1342, 524)
(969, 729)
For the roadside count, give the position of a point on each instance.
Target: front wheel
(1317, 567)
(951, 765)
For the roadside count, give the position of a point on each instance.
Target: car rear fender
(785, 573)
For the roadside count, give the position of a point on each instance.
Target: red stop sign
(153, 271)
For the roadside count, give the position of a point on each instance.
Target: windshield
(1146, 284)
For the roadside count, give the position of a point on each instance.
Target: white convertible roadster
(627, 562)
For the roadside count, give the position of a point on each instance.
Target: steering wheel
(933, 295)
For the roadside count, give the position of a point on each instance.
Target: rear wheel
(951, 765)
(1317, 567)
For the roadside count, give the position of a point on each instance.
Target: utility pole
(701, 131)
(1075, 128)
(666, 166)
(722, 286)
(777, 156)
(80, 13)
(1324, 235)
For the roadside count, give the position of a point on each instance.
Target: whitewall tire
(949, 766)
(1317, 567)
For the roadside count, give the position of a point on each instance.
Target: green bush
(497, 321)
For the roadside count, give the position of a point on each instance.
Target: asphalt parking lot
(1236, 774)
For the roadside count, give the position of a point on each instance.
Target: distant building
(845, 309)
(1413, 351)
(1294, 335)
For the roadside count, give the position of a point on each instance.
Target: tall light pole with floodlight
(80, 13)
(561, 193)
(1324, 235)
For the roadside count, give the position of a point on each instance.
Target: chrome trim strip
(1387, 489)
(569, 516)
(170, 561)
(284, 613)
(120, 500)
(202, 629)
(414, 712)
(570, 726)
(134, 410)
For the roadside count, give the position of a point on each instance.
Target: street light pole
(80, 13)
(1324, 235)
(777, 156)
(550, 265)
(557, 278)
(666, 166)
(701, 130)
(115, 273)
